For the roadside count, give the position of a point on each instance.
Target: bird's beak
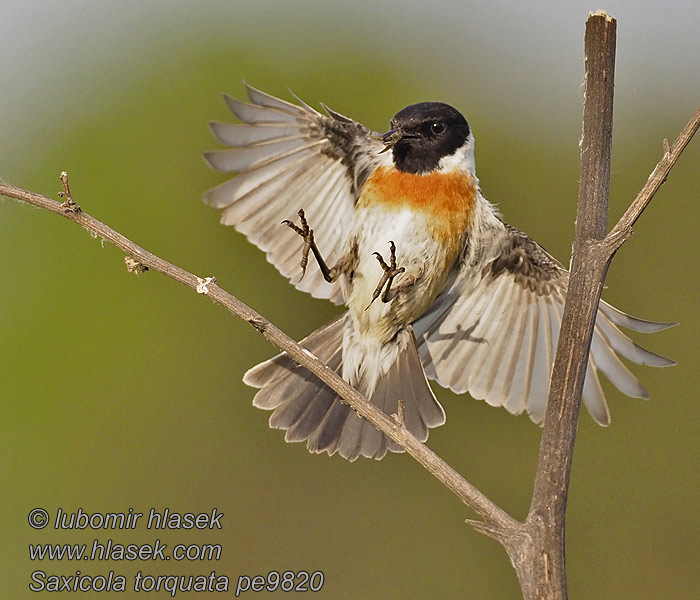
(390, 138)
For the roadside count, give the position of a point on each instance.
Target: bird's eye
(438, 127)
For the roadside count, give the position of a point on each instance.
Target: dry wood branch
(542, 569)
(542, 574)
(623, 228)
(140, 260)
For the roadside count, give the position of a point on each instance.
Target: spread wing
(290, 157)
(494, 330)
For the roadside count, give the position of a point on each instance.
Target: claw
(306, 234)
(304, 229)
(390, 272)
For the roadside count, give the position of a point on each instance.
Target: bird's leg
(307, 234)
(390, 272)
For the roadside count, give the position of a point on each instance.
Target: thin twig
(140, 259)
(68, 204)
(623, 227)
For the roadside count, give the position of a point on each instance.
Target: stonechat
(436, 285)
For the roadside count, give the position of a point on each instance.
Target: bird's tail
(311, 411)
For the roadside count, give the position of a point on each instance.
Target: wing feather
(258, 113)
(260, 154)
(484, 359)
(593, 396)
(287, 157)
(264, 99)
(244, 134)
(633, 323)
(505, 381)
(621, 344)
(541, 366)
(608, 362)
(249, 183)
(494, 330)
(497, 373)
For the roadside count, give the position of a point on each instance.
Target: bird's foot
(306, 234)
(390, 272)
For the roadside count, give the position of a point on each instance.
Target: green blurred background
(125, 392)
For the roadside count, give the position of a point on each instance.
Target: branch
(495, 520)
(542, 569)
(623, 228)
(586, 279)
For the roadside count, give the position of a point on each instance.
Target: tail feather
(307, 424)
(406, 382)
(415, 386)
(310, 411)
(290, 409)
(313, 410)
(327, 435)
(350, 437)
(322, 343)
(372, 440)
(411, 413)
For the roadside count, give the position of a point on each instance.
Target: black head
(422, 134)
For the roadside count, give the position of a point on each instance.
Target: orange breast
(447, 199)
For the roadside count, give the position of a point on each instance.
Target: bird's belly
(426, 261)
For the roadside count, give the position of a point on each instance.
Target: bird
(437, 286)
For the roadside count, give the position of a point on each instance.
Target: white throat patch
(461, 160)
